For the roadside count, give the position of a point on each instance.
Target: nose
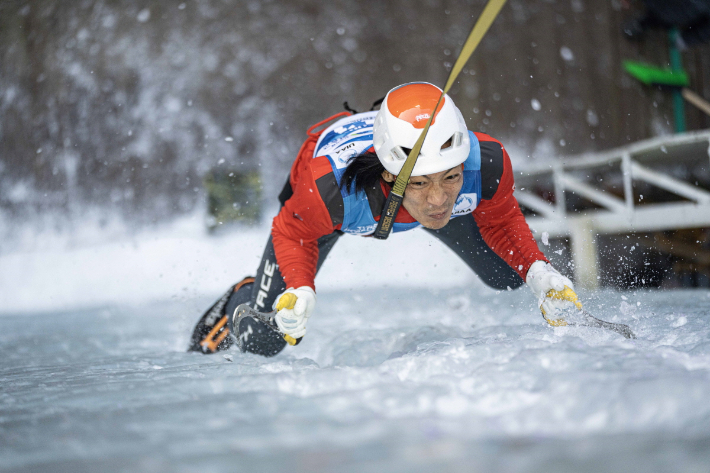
(437, 195)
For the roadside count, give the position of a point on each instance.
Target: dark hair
(365, 170)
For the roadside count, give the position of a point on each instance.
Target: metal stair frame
(617, 215)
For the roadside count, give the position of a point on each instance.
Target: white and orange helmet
(402, 118)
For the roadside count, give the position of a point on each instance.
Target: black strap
(374, 104)
(347, 107)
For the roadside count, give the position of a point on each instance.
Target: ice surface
(441, 375)
(180, 261)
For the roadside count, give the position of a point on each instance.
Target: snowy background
(117, 109)
(111, 113)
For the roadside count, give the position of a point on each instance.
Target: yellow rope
(394, 201)
(490, 12)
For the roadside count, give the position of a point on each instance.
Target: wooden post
(584, 253)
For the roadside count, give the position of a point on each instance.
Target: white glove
(294, 307)
(555, 292)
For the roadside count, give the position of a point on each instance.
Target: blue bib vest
(351, 136)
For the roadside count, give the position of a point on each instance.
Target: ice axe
(587, 319)
(267, 318)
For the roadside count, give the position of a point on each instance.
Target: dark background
(120, 107)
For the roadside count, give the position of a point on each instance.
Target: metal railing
(617, 209)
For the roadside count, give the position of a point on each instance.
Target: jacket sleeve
(295, 231)
(502, 224)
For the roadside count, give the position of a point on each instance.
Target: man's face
(430, 199)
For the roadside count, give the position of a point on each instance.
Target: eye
(452, 177)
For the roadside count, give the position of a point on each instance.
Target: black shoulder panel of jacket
(376, 199)
(491, 168)
(332, 198)
(286, 192)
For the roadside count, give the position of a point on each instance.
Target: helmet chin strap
(394, 200)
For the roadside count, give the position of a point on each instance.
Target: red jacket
(305, 217)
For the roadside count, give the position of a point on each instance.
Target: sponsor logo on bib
(465, 204)
(361, 230)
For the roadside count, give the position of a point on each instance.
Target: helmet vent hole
(448, 142)
(399, 153)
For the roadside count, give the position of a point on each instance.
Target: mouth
(439, 216)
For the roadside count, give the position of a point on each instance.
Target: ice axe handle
(287, 301)
(292, 341)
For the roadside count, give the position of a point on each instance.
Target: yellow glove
(294, 307)
(555, 302)
(555, 292)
